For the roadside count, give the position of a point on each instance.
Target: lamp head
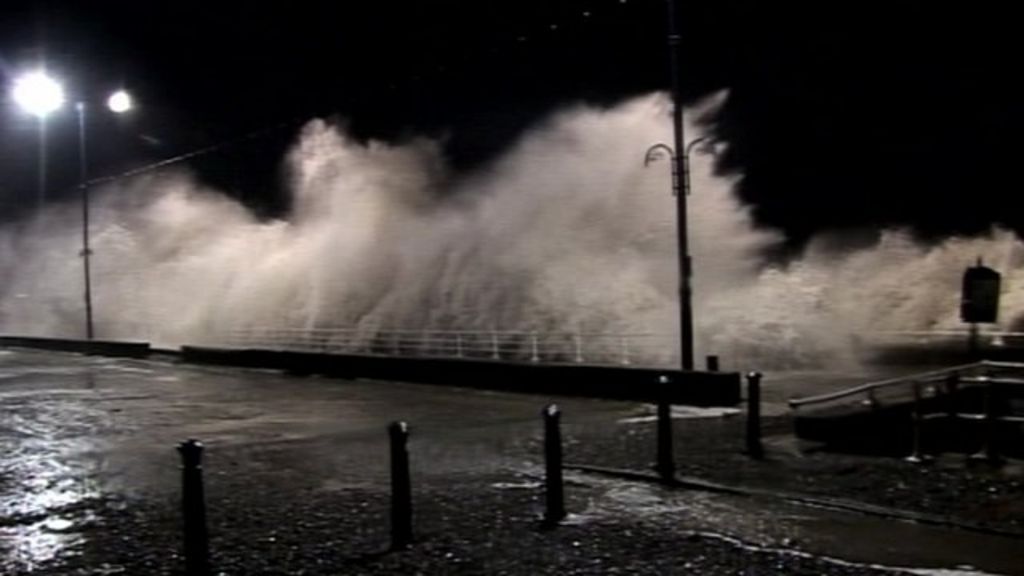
(38, 94)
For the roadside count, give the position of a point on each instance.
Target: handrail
(921, 377)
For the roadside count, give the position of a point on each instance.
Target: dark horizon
(852, 117)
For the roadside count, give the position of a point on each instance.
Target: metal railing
(872, 389)
(991, 337)
(644, 349)
(923, 391)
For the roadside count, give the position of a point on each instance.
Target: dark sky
(842, 115)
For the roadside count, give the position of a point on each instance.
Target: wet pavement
(297, 471)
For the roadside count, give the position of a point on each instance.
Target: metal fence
(643, 349)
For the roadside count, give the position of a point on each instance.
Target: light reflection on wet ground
(47, 491)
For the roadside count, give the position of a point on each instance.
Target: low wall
(623, 383)
(613, 382)
(98, 347)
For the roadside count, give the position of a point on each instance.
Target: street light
(119, 102)
(685, 270)
(39, 95)
(680, 166)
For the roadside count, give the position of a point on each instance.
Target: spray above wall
(567, 231)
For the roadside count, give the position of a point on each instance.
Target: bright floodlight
(38, 94)
(120, 102)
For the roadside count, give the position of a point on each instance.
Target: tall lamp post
(40, 95)
(83, 186)
(119, 102)
(680, 155)
(685, 269)
(680, 167)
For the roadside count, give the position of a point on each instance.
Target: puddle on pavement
(28, 546)
(45, 491)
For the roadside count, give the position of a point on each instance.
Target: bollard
(401, 487)
(193, 507)
(754, 446)
(951, 428)
(872, 400)
(916, 454)
(952, 388)
(554, 492)
(712, 363)
(990, 444)
(665, 465)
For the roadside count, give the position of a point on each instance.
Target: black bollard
(401, 487)
(197, 547)
(917, 422)
(712, 363)
(554, 490)
(952, 390)
(665, 465)
(754, 447)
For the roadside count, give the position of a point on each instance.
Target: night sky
(841, 115)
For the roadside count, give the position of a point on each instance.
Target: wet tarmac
(79, 432)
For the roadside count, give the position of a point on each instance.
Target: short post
(665, 465)
(401, 487)
(916, 454)
(624, 343)
(458, 344)
(990, 443)
(754, 447)
(554, 493)
(534, 352)
(872, 400)
(494, 346)
(973, 342)
(578, 342)
(952, 412)
(712, 363)
(952, 389)
(193, 507)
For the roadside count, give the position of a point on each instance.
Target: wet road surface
(77, 431)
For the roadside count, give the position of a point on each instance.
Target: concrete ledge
(612, 382)
(98, 347)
